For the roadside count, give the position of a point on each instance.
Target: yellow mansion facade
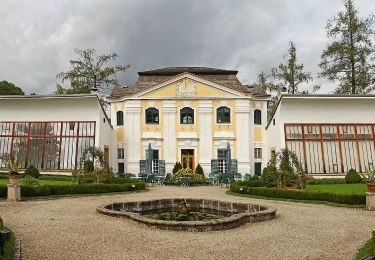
(189, 115)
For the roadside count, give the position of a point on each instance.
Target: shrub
(269, 176)
(199, 170)
(29, 181)
(32, 171)
(88, 166)
(353, 177)
(252, 183)
(51, 190)
(176, 167)
(348, 199)
(194, 178)
(3, 191)
(1, 223)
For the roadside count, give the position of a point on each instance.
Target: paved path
(70, 228)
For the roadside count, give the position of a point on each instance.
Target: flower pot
(13, 180)
(371, 187)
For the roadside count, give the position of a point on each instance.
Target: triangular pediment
(188, 85)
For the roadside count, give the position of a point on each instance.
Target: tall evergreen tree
(348, 58)
(291, 74)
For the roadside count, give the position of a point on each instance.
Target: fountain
(188, 214)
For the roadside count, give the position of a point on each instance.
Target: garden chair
(185, 181)
(211, 178)
(246, 177)
(160, 178)
(150, 179)
(238, 177)
(217, 178)
(168, 178)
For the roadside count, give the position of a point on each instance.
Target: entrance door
(187, 158)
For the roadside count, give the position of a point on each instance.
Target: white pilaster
(169, 134)
(205, 134)
(133, 135)
(243, 135)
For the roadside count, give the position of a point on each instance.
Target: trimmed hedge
(348, 199)
(51, 190)
(326, 181)
(48, 177)
(252, 183)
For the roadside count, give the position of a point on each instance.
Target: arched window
(187, 115)
(152, 116)
(257, 117)
(223, 115)
(120, 118)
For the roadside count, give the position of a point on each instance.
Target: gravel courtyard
(70, 228)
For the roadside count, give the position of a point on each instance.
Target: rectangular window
(258, 153)
(155, 161)
(222, 160)
(120, 153)
(121, 167)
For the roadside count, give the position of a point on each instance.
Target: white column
(205, 135)
(169, 134)
(244, 142)
(132, 123)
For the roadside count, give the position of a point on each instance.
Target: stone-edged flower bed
(242, 213)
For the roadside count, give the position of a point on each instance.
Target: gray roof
(171, 71)
(148, 79)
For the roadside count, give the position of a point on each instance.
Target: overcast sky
(38, 37)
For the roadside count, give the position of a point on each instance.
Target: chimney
(282, 91)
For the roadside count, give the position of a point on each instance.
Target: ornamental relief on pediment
(186, 88)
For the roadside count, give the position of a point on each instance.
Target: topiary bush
(353, 177)
(32, 171)
(199, 170)
(176, 167)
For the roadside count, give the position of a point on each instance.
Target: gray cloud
(38, 37)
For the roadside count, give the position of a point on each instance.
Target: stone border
(17, 248)
(243, 213)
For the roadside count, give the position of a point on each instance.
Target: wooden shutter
(234, 167)
(142, 167)
(214, 166)
(161, 167)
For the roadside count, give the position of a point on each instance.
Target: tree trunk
(352, 50)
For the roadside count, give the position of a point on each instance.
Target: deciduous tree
(90, 72)
(8, 88)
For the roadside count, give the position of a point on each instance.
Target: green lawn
(42, 182)
(9, 248)
(339, 188)
(368, 249)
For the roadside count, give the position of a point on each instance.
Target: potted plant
(13, 170)
(371, 181)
